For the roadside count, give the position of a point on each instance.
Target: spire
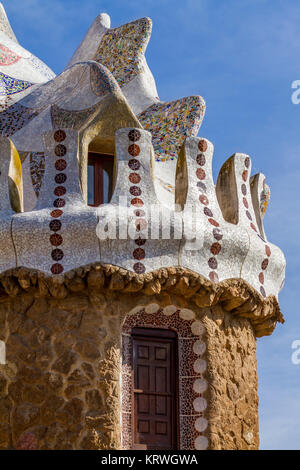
(5, 25)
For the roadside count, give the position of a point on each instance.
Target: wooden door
(154, 394)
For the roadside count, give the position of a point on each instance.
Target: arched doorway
(156, 343)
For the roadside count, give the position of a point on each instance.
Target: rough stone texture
(60, 388)
(232, 377)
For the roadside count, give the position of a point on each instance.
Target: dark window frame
(97, 160)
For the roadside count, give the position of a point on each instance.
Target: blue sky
(241, 56)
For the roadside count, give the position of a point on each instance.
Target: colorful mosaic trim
(121, 49)
(135, 193)
(15, 118)
(71, 119)
(60, 190)
(265, 261)
(7, 57)
(37, 170)
(216, 231)
(191, 370)
(264, 199)
(11, 86)
(170, 123)
(102, 81)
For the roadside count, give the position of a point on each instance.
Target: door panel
(154, 397)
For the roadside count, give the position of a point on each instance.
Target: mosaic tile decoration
(47, 238)
(7, 57)
(191, 371)
(41, 67)
(11, 86)
(264, 199)
(121, 49)
(264, 261)
(102, 81)
(170, 123)
(71, 119)
(263, 267)
(55, 223)
(221, 249)
(15, 118)
(37, 170)
(7, 250)
(217, 234)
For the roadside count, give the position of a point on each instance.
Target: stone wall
(60, 387)
(232, 377)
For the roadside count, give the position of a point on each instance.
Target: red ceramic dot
(56, 239)
(213, 222)
(212, 263)
(55, 225)
(134, 164)
(253, 227)
(139, 213)
(217, 234)
(203, 199)
(261, 278)
(139, 268)
(134, 135)
(245, 202)
(137, 202)
(201, 186)
(59, 135)
(245, 175)
(208, 212)
(200, 174)
(60, 191)
(268, 250)
(262, 291)
(60, 150)
(57, 254)
(134, 178)
(247, 162)
(141, 224)
(57, 268)
(140, 241)
(139, 253)
(56, 213)
(59, 202)
(264, 264)
(215, 248)
(134, 150)
(60, 178)
(135, 190)
(202, 145)
(213, 276)
(201, 159)
(60, 164)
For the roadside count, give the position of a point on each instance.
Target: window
(100, 178)
(154, 389)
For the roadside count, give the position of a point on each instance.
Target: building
(132, 288)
